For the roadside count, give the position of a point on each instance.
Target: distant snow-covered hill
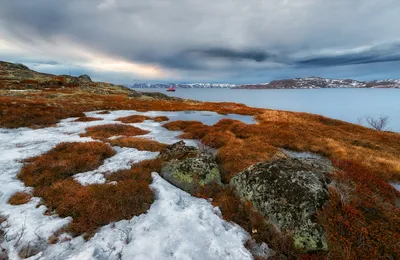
(180, 85)
(296, 83)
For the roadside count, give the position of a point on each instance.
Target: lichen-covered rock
(178, 150)
(192, 173)
(289, 192)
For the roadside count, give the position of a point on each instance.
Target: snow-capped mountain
(181, 85)
(317, 82)
(296, 83)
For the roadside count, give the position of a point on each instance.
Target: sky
(220, 41)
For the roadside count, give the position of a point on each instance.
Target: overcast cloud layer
(232, 41)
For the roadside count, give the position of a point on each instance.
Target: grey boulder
(289, 192)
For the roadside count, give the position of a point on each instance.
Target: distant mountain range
(180, 85)
(297, 83)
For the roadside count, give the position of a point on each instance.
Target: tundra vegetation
(361, 218)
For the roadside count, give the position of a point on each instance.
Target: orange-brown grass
(63, 161)
(377, 152)
(133, 119)
(361, 219)
(234, 153)
(20, 198)
(106, 131)
(87, 119)
(141, 144)
(19, 112)
(90, 206)
(181, 125)
(237, 155)
(96, 205)
(160, 118)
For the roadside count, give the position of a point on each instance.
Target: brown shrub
(181, 125)
(18, 112)
(141, 144)
(96, 205)
(87, 119)
(106, 131)
(133, 119)
(237, 155)
(20, 198)
(63, 161)
(148, 166)
(160, 118)
(217, 138)
(90, 206)
(365, 225)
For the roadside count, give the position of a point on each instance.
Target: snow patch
(177, 226)
(122, 160)
(396, 186)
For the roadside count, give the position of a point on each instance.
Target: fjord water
(343, 104)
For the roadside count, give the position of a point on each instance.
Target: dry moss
(87, 119)
(20, 198)
(106, 131)
(133, 119)
(160, 118)
(141, 144)
(96, 205)
(362, 222)
(90, 206)
(63, 161)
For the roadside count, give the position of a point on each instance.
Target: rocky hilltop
(19, 77)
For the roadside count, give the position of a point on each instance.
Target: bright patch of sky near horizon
(230, 41)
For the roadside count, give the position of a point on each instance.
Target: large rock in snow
(289, 192)
(192, 173)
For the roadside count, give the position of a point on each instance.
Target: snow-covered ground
(177, 226)
(396, 186)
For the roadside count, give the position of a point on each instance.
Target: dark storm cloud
(220, 39)
(375, 54)
(229, 54)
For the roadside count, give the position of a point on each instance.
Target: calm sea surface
(343, 104)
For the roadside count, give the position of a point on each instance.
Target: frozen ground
(396, 186)
(177, 225)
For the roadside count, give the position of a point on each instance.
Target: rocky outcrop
(192, 173)
(178, 150)
(84, 78)
(152, 96)
(289, 192)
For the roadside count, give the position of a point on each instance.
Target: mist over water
(342, 104)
